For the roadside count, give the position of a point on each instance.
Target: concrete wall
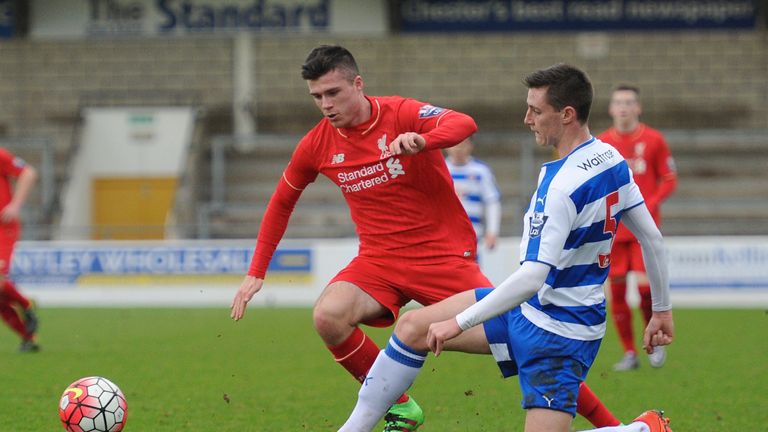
(703, 79)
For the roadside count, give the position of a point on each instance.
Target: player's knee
(411, 330)
(329, 321)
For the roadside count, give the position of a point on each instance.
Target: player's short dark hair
(326, 58)
(566, 86)
(628, 87)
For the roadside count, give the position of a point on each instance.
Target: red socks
(645, 301)
(357, 354)
(589, 406)
(9, 315)
(13, 295)
(622, 315)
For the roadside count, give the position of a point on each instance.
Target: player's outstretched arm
(661, 327)
(248, 288)
(517, 288)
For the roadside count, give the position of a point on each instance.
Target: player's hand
(248, 288)
(407, 143)
(490, 241)
(440, 332)
(660, 331)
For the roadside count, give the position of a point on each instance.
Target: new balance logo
(395, 167)
(337, 159)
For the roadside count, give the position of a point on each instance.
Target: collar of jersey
(635, 134)
(579, 147)
(365, 127)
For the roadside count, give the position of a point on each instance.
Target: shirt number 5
(609, 227)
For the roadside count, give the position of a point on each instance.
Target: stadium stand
(706, 89)
(721, 188)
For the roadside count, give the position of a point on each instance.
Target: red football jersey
(653, 167)
(10, 168)
(403, 206)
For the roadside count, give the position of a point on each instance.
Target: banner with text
(112, 264)
(704, 271)
(126, 18)
(593, 15)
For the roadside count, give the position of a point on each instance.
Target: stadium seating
(721, 188)
(705, 88)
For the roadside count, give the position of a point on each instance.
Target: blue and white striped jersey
(569, 225)
(476, 188)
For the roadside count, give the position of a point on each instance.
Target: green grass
(175, 367)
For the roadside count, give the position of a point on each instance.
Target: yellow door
(131, 208)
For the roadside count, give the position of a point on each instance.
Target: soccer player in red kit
(15, 309)
(654, 172)
(416, 241)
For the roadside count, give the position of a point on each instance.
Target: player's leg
(429, 284)
(649, 421)
(23, 305)
(659, 355)
(637, 267)
(621, 313)
(551, 370)
(11, 317)
(13, 294)
(589, 406)
(337, 313)
(10, 297)
(359, 295)
(466, 273)
(398, 365)
(546, 420)
(644, 290)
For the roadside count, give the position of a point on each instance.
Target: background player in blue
(476, 187)
(545, 321)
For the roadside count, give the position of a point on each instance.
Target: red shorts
(394, 283)
(626, 256)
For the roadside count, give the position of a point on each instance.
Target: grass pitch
(196, 370)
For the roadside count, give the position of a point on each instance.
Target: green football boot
(404, 417)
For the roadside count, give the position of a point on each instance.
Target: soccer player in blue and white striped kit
(476, 187)
(545, 322)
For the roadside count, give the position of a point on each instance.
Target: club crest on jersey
(428, 111)
(537, 224)
(384, 147)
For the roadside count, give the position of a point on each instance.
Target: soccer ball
(93, 404)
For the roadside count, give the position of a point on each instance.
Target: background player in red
(416, 241)
(653, 169)
(15, 309)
